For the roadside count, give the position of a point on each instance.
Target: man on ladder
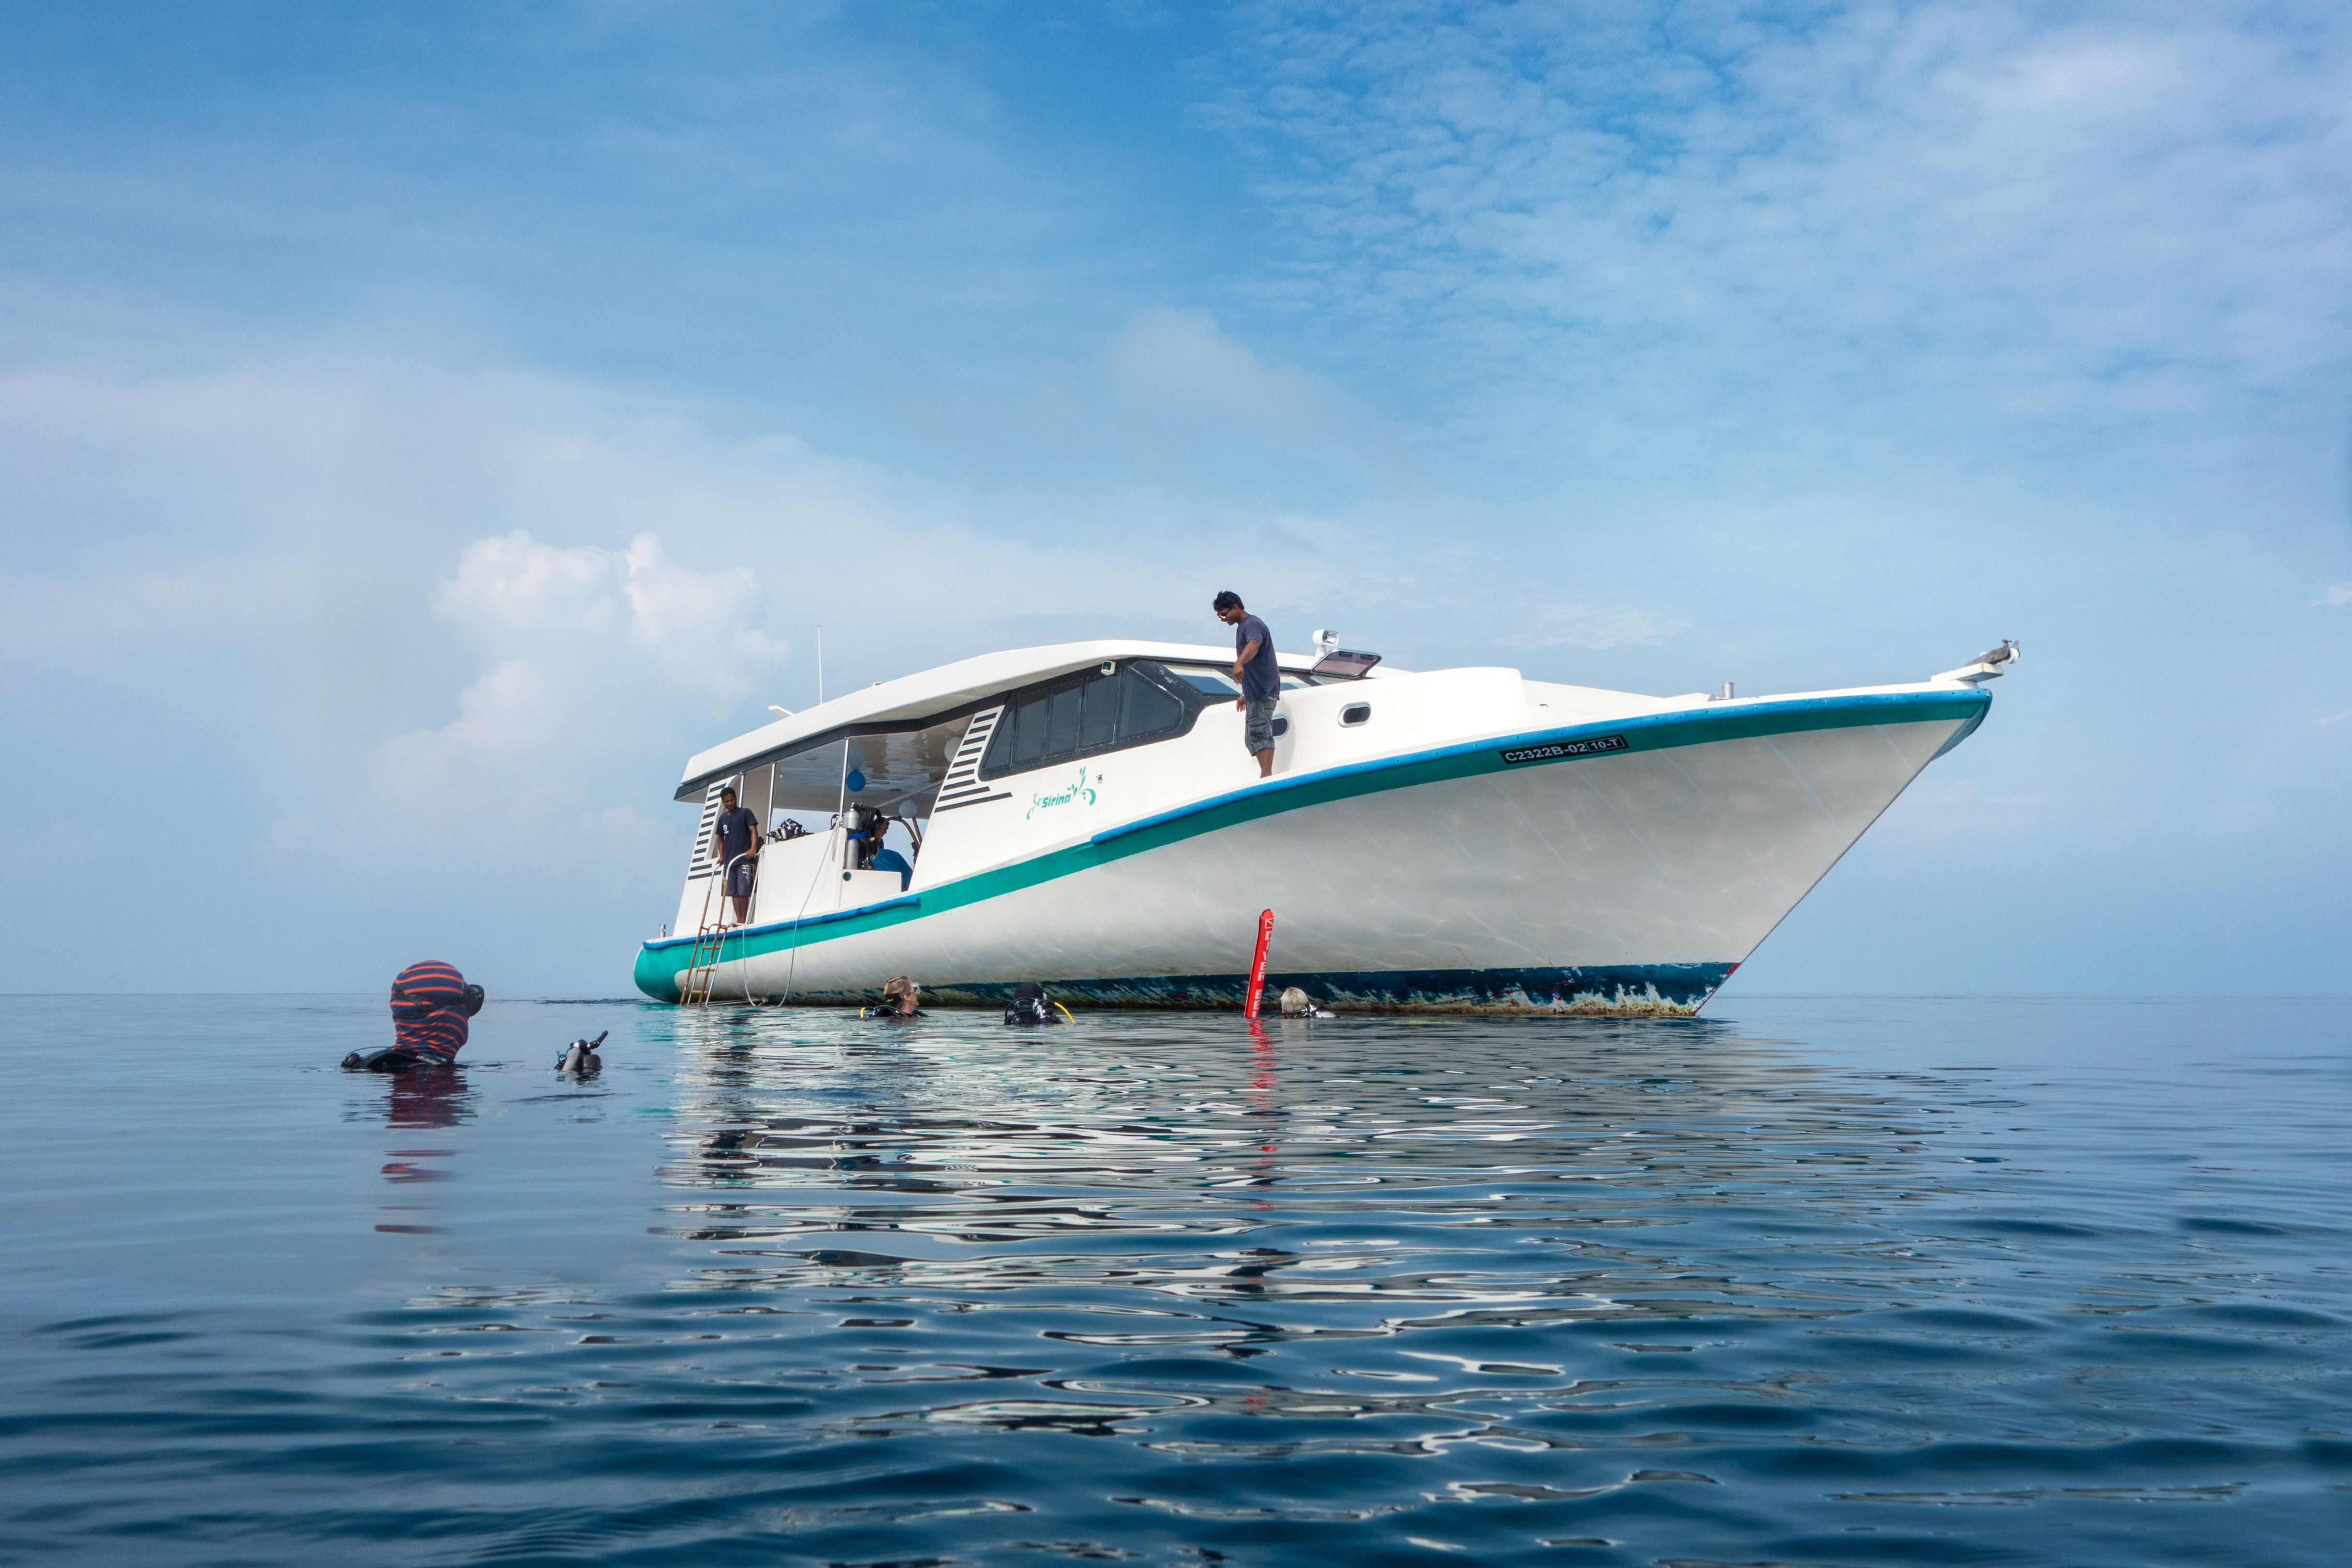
(735, 845)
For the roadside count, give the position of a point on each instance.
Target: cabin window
(1089, 713)
(1026, 732)
(1148, 709)
(1099, 719)
(1062, 730)
(1356, 713)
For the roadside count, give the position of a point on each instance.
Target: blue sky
(424, 425)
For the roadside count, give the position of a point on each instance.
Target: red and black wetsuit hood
(430, 1004)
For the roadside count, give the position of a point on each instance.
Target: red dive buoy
(1257, 965)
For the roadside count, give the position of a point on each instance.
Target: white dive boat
(1456, 841)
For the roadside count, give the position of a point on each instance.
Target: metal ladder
(709, 939)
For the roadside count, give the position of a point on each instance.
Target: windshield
(1210, 682)
(1218, 684)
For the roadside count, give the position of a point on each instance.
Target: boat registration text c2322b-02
(1585, 747)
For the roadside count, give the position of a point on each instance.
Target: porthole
(1355, 712)
(1281, 725)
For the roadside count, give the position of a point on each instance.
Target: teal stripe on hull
(660, 962)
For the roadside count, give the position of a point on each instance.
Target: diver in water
(899, 996)
(1029, 1005)
(1297, 1004)
(430, 1004)
(580, 1058)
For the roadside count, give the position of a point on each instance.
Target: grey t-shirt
(1262, 676)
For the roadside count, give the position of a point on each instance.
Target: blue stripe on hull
(1615, 990)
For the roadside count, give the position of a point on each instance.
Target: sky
(422, 426)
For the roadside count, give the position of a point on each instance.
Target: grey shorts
(739, 878)
(1257, 727)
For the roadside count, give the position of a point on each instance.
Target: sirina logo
(1076, 791)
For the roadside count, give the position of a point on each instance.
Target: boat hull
(1620, 868)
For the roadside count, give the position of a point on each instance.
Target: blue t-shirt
(891, 860)
(737, 829)
(1262, 676)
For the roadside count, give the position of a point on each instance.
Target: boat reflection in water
(1152, 1178)
(782, 1285)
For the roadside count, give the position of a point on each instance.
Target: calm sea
(1810, 1282)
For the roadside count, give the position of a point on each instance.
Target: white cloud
(1609, 213)
(517, 585)
(586, 641)
(1179, 359)
(512, 587)
(486, 763)
(2339, 594)
(697, 618)
(481, 609)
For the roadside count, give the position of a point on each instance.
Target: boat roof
(930, 698)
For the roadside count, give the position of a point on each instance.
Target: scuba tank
(581, 1056)
(1029, 1005)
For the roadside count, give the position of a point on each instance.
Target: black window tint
(1084, 715)
(1144, 708)
(1029, 732)
(1063, 738)
(1098, 717)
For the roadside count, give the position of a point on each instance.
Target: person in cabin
(899, 998)
(735, 845)
(1297, 1004)
(1258, 673)
(887, 859)
(430, 1004)
(1030, 1005)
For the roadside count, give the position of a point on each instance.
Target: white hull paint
(1479, 874)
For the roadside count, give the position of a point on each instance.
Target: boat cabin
(948, 771)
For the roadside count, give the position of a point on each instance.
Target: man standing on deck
(736, 835)
(1259, 675)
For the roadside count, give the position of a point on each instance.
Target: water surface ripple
(1816, 1281)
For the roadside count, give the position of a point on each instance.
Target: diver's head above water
(430, 1004)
